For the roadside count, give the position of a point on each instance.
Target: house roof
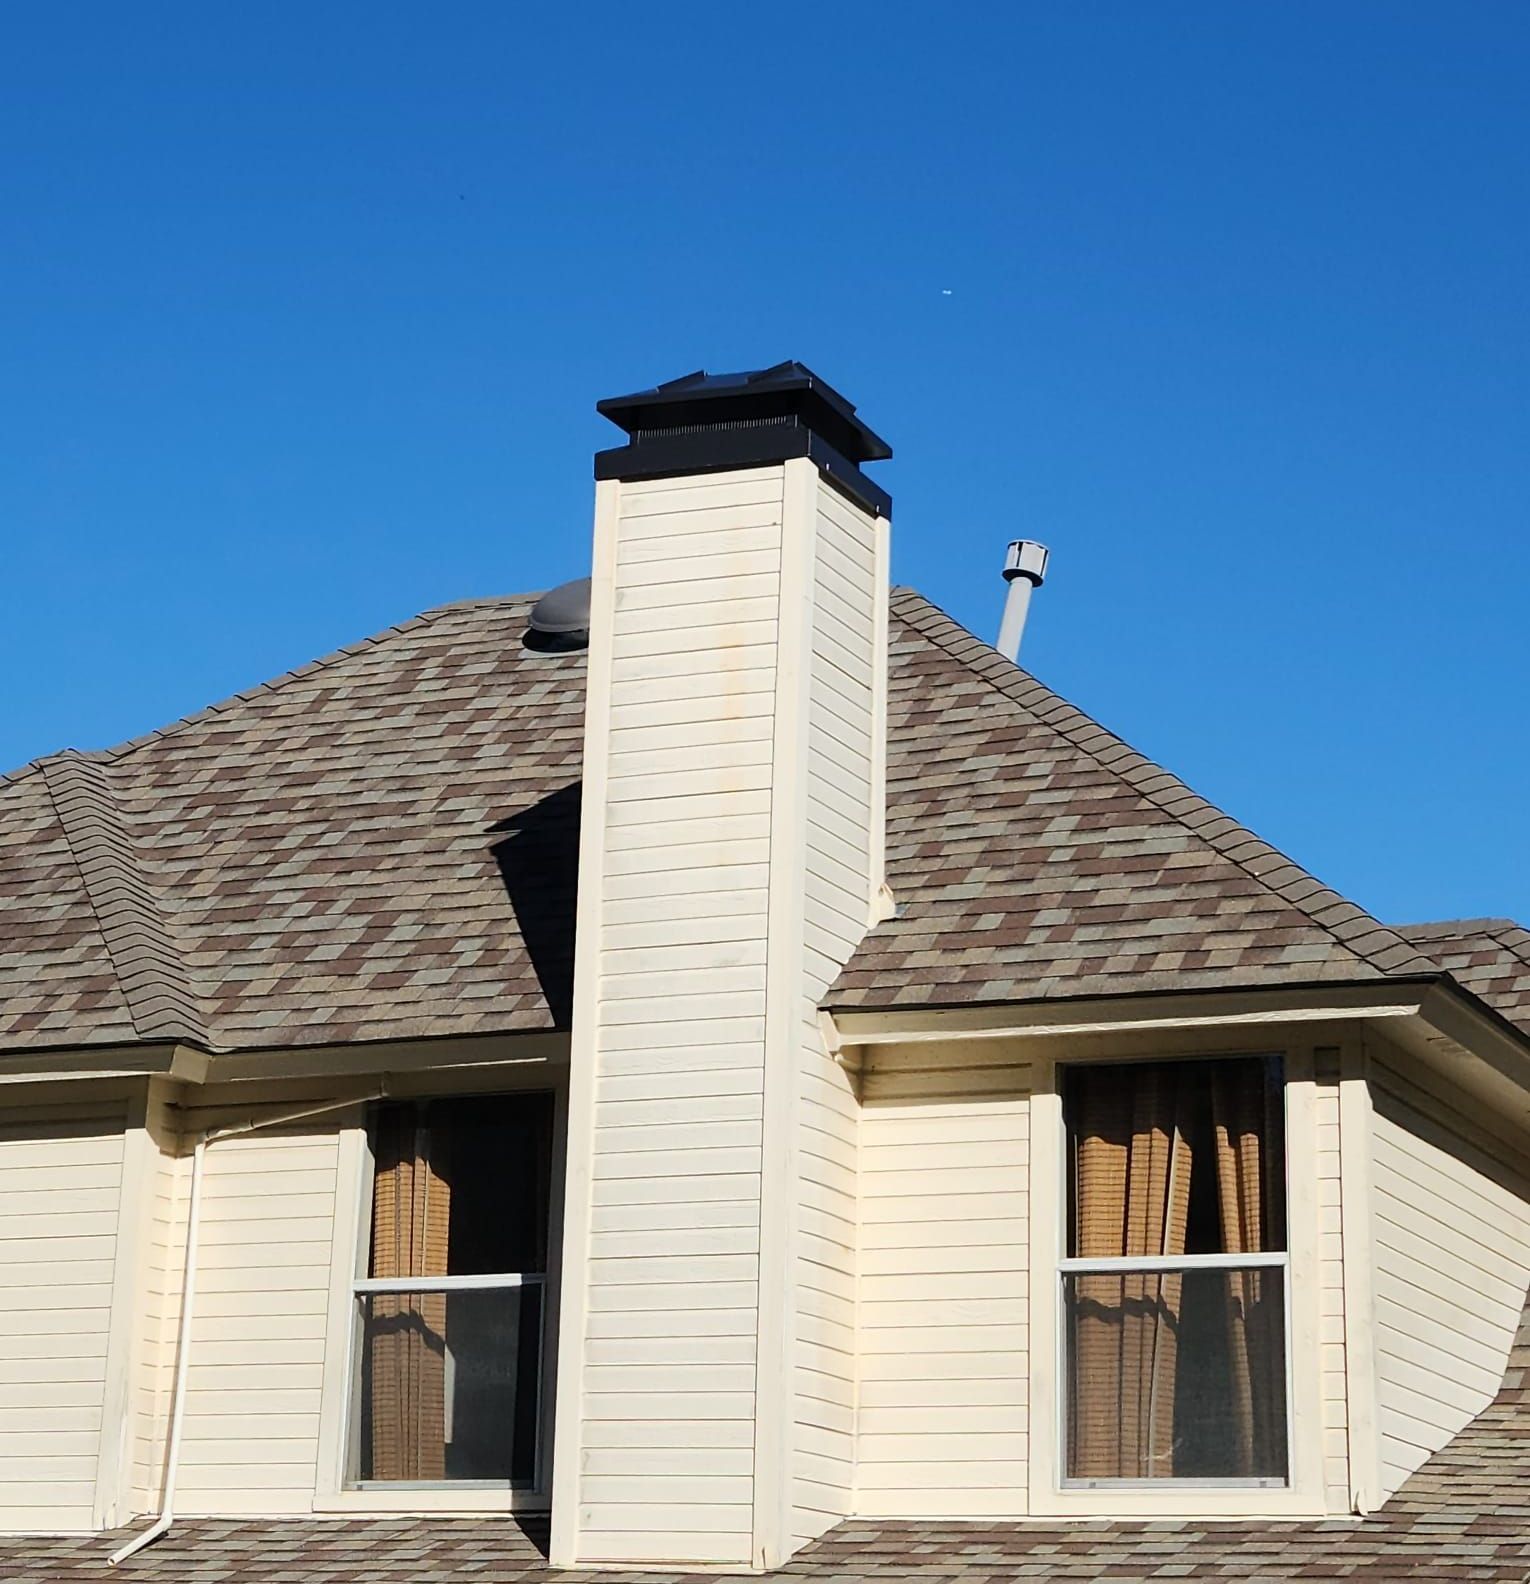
(1461, 1516)
(337, 855)
(1033, 854)
(1491, 957)
(383, 844)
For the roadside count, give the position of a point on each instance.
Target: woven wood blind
(1132, 1195)
(411, 1220)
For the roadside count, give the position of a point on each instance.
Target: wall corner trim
(1355, 1126)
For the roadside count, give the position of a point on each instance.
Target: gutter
(205, 1140)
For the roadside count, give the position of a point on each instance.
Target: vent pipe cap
(560, 620)
(1025, 558)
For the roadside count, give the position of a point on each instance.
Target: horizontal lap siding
(942, 1422)
(250, 1442)
(1452, 1229)
(60, 1185)
(837, 891)
(669, 1367)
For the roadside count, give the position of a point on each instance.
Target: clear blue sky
(304, 310)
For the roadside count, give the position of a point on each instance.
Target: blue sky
(304, 311)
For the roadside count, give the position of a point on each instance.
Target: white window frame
(1049, 1492)
(336, 1488)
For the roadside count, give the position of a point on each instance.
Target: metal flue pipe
(1025, 569)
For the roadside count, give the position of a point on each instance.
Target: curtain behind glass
(1246, 1127)
(411, 1218)
(1131, 1197)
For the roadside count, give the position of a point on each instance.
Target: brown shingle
(381, 844)
(1491, 957)
(346, 853)
(1032, 855)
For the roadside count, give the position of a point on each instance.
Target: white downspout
(211, 1136)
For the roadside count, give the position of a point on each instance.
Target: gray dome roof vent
(560, 620)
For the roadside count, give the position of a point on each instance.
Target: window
(449, 1317)
(1174, 1288)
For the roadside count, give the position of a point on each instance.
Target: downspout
(205, 1139)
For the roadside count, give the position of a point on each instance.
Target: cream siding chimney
(730, 860)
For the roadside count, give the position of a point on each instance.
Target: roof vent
(560, 620)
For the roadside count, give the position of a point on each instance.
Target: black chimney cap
(708, 423)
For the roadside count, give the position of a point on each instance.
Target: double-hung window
(449, 1319)
(1174, 1291)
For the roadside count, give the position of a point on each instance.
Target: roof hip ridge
(149, 964)
(1356, 930)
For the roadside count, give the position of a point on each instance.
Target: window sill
(444, 1501)
(1227, 1504)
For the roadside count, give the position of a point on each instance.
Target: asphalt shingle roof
(1465, 1516)
(1033, 854)
(1490, 957)
(346, 853)
(383, 845)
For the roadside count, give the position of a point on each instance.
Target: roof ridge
(1356, 930)
(1514, 938)
(1440, 929)
(150, 967)
(308, 668)
(1505, 932)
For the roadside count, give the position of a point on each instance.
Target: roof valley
(149, 964)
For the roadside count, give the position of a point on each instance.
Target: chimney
(730, 861)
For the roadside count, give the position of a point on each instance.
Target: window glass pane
(1181, 1157)
(499, 1152)
(449, 1381)
(461, 1186)
(1177, 1375)
(449, 1385)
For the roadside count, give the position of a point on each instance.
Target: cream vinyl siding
(258, 1331)
(1331, 1254)
(944, 1252)
(845, 696)
(671, 1297)
(1452, 1261)
(60, 1183)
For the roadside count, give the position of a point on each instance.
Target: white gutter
(211, 1136)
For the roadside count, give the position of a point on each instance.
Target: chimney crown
(709, 423)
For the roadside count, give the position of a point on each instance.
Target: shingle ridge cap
(1507, 933)
(1363, 936)
(308, 668)
(147, 962)
(1455, 929)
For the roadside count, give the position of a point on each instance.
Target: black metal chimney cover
(708, 423)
